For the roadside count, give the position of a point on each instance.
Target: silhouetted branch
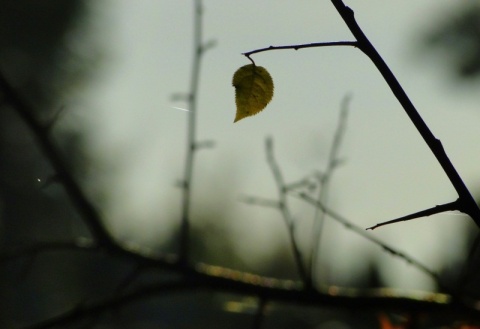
(350, 299)
(424, 213)
(46, 144)
(466, 204)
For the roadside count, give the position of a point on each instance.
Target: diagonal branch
(451, 206)
(84, 207)
(360, 231)
(466, 202)
(287, 216)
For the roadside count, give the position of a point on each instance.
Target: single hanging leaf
(253, 90)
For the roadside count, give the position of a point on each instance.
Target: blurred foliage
(44, 54)
(38, 40)
(458, 37)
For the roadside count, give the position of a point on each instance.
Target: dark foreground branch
(84, 207)
(384, 300)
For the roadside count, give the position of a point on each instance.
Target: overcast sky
(389, 172)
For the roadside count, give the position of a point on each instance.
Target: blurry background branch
(107, 283)
(199, 49)
(324, 179)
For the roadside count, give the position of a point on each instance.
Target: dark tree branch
(466, 202)
(451, 206)
(74, 192)
(351, 300)
(302, 46)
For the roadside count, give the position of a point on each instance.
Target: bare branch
(84, 207)
(282, 195)
(360, 231)
(452, 206)
(324, 181)
(302, 46)
(467, 203)
(251, 285)
(192, 145)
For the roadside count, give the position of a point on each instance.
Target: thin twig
(451, 206)
(325, 179)
(467, 204)
(356, 300)
(283, 207)
(361, 231)
(302, 46)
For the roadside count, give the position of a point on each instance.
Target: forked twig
(325, 178)
(283, 207)
(192, 144)
(361, 231)
(466, 203)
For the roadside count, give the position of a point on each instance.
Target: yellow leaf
(253, 90)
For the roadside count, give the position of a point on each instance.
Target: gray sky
(389, 172)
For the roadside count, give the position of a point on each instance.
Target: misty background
(109, 73)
